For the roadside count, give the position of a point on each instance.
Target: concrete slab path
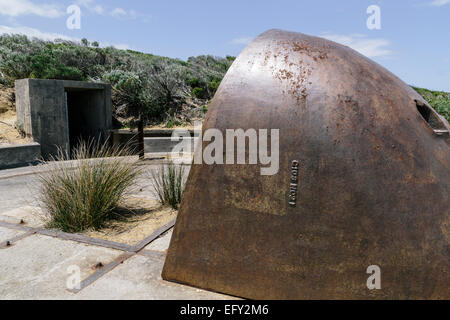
(40, 264)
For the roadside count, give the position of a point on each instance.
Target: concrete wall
(41, 108)
(43, 113)
(23, 106)
(19, 155)
(166, 145)
(155, 140)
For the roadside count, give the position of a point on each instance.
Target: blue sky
(413, 42)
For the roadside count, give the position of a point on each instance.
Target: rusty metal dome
(373, 182)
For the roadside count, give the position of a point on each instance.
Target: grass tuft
(81, 192)
(168, 183)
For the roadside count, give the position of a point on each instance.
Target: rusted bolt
(99, 265)
(21, 221)
(8, 243)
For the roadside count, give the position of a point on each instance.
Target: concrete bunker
(60, 113)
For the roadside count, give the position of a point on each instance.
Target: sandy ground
(8, 134)
(139, 218)
(139, 214)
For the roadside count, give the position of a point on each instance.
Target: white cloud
(15, 8)
(242, 40)
(34, 33)
(118, 12)
(438, 3)
(49, 36)
(371, 48)
(121, 13)
(91, 6)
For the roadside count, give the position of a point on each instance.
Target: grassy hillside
(157, 88)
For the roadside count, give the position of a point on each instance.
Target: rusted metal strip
(85, 239)
(152, 254)
(129, 250)
(10, 242)
(69, 236)
(137, 249)
(15, 226)
(90, 240)
(141, 244)
(102, 271)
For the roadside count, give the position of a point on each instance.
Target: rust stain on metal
(372, 186)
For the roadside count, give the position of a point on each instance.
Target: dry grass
(139, 217)
(84, 192)
(168, 184)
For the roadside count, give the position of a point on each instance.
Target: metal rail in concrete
(128, 250)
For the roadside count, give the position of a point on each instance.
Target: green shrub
(439, 100)
(194, 82)
(197, 92)
(162, 86)
(168, 183)
(169, 124)
(83, 194)
(213, 85)
(172, 122)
